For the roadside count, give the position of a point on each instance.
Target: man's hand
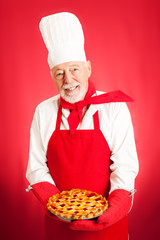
(44, 190)
(119, 205)
(87, 225)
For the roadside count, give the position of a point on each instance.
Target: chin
(73, 98)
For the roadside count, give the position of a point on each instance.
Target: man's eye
(75, 70)
(59, 74)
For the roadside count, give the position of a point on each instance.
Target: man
(81, 138)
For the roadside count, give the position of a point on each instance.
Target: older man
(71, 80)
(81, 138)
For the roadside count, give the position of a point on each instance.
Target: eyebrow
(74, 65)
(61, 69)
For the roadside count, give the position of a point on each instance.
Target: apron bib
(81, 160)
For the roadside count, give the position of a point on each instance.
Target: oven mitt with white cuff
(44, 190)
(119, 205)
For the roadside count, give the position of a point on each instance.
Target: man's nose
(67, 77)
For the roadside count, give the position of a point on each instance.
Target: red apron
(81, 160)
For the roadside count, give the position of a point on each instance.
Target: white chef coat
(116, 126)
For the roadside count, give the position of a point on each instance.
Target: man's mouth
(69, 89)
(72, 92)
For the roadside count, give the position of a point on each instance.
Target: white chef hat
(63, 36)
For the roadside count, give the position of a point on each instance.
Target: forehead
(68, 65)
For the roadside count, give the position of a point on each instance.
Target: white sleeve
(124, 167)
(37, 170)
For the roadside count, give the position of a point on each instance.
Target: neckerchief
(77, 108)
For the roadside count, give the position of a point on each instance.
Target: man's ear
(89, 68)
(51, 72)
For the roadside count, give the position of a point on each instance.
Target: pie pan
(71, 220)
(77, 204)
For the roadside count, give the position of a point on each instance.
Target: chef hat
(63, 36)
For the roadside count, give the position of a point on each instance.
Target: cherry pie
(77, 204)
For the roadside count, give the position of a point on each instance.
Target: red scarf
(76, 108)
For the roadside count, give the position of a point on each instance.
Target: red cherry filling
(53, 207)
(76, 212)
(62, 205)
(97, 199)
(91, 195)
(60, 211)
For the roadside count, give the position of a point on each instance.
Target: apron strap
(59, 116)
(96, 120)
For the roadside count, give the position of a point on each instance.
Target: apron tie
(77, 108)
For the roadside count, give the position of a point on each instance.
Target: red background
(122, 42)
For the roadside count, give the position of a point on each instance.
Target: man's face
(71, 80)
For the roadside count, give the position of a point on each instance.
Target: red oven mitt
(43, 191)
(119, 205)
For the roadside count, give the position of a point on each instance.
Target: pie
(77, 204)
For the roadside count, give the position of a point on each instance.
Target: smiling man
(81, 138)
(71, 80)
